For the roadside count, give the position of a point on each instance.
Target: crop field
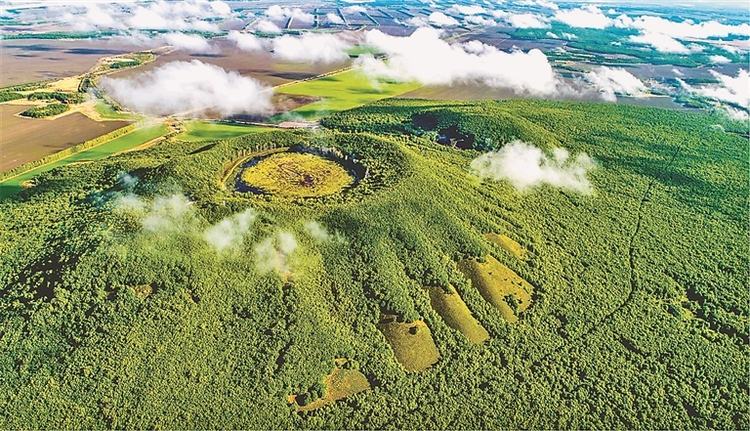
(25, 139)
(342, 91)
(14, 185)
(259, 65)
(36, 60)
(207, 131)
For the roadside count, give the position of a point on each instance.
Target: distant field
(24, 139)
(208, 131)
(343, 91)
(126, 142)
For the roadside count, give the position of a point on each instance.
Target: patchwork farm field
(129, 141)
(24, 139)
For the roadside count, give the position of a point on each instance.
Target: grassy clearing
(208, 131)
(107, 112)
(457, 315)
(412, 344)
(341, 383)
(499, 285)
(131, 140)
(507, 244)
(297, 175)
(343, 91)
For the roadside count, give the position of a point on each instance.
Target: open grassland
(412, 344)
(25, 139)
(207, 131)
(343, 91)
(297, 175)
(499, 285)
(340, 384)
(453, 310)
(508, 244)
(15, 184)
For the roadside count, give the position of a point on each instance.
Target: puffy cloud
(719, 59)
(527, 167)
(311, 48)
(245, 41)
(163, 216)
(661, 42)
(688, 28)
(186, 88)
(442, 20)
(479, 20)
(334, 18)
(552, 35)
(278, 13)
(354, 9)
(541, 3)
(266, 26)
(417, 21)
(273, 253)
(584, 17)
(316, 231)
(458, 9)
(425, 58)
(728, 89)
(231, 231)
(612, 81)
(521, 20)
(182, 15)
(189, 42)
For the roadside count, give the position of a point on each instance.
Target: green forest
(146, 290)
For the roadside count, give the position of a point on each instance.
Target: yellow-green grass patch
(297, 175)
(209, 131)
(412, 343)
(343, 91)
(456, 314)
(341, 383)
(507, 244)
(499, 285)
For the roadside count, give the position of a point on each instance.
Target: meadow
(196, 131)
(164, 299)
(341, 91)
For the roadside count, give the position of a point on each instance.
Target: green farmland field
(343, 91)
(208, 131)
(14, 185)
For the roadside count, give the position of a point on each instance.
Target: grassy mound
(499, 285)
(412, 343)
(297, 175)
(507, 244)
(456, 314)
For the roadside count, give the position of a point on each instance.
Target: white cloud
(521, 20)
(311, 48)
(687, 28)
(231, 231)
(661, 42)
(719, 59)
(458, 9)
(737, 114)
(245, 41)
(425, 58)
(354, 9)
(417, 21)
(610, 81)
(584, 17)
(163, 216)
(677, 72)
(266, 26)
(334, 18)
(194, 43)
(182, 15)
(542, 3)
(552, 35)
(274, 252)
(527, 167)
(186, 88)
(479, 20)
(732, 90)
(316, 231)
(442, 20)
(278, 13)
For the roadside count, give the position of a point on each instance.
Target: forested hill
(604, 285)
